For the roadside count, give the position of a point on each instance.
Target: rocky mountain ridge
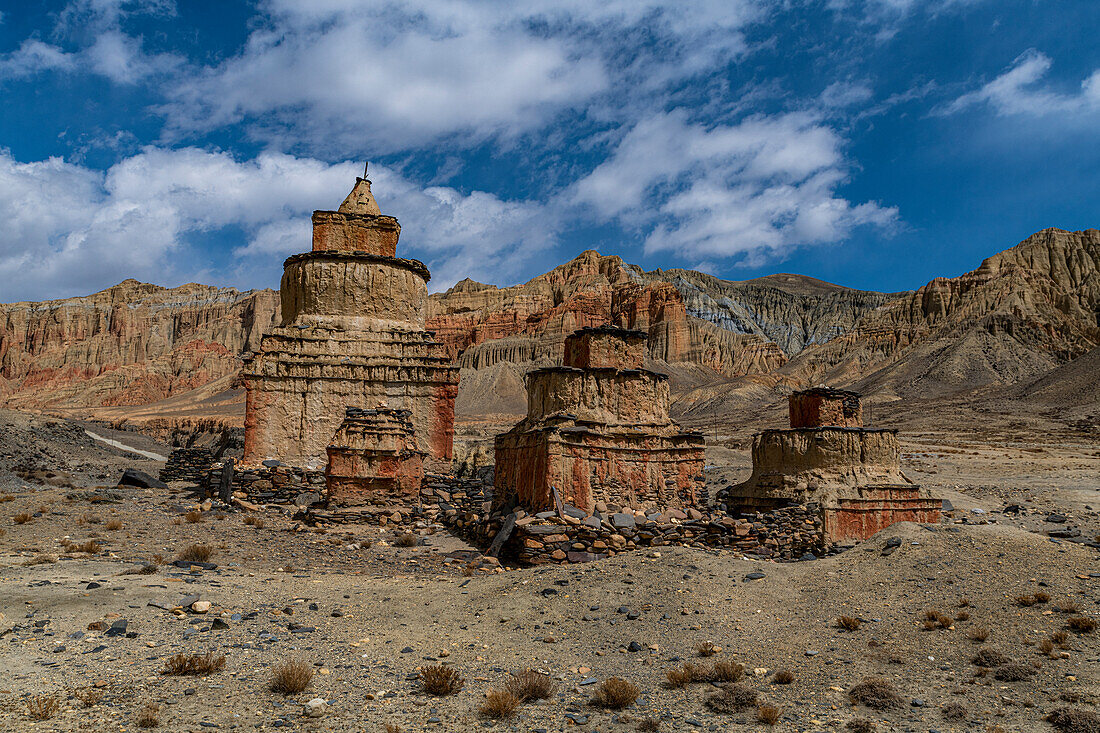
(1019, 315)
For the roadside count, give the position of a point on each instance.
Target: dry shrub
(783, 677)
(1081, 624)
(964, 602)
(686, 674)
(42, 707)
(253, 521)
(176, 521)
(3, 531)
(196, 553)
(22, 518)
(6, 498)
(706, 649)
(194, 664)
(89, 696)
(89, 546)
(979, 634)
(648, 725)
(220, 516)
(767, 714)
(733, 698)
(725, 670)
(954, 711)
(159, 559)
(113, 524)
(499, 704)
(391, 728)
(1041, 597)
(148, 716)
(875, 693)
(41, 559)
(849, 623)
(1025, 601)
(962, 616)
(193, 517)
(1013, 672)
(439, 679)
(291, 677)
(1074, 720)
(1068, 607)
(615, 693)
(406, 540)
(1060, 637)
(990, 658)
(861, 725)
(529, 685)
(1046, 646)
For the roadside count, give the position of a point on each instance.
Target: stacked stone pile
(187, 464)
(276, 484)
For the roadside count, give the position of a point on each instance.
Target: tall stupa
(352, 335)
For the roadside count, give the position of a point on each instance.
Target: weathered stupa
(352, 335)
(828, 458)
(597, 430)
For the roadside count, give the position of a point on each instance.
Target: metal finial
(365, 166)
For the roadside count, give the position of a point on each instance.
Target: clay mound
(1076, 384)
(495, 390)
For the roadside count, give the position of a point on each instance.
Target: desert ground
(92, 628)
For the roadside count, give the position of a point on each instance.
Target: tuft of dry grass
(767, 714)
(1081, 624)
(990, 658)
(1060, 637)
(648, 725)
(1067, 607)
(953, 711)
(935, 619)
(148, 716)
(783, 677)
(6, 498)
(499, 704)
(196, 553)
(88, 696)
(406, 540)
(706, 649)
(962, 616)
(194, 664)
(41, 559)
(861, 725)
(1046, 647)
(725, 670)
(1026, 600)
(615, 693)
(732, 698)
(193, 517)
(529, 685)
(290, 677)
(113, 524)
(89, 546)
(1074, 720)
(979, 634)
(686, 674)
(176, 521)
(254, 521)
(849, 623)
(875, 693)
(22, 518)
(391, 728)
(1041, 596)
(964, 602)
(440, 680)
(42, 707)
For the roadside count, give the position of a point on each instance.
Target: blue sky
(872, 143)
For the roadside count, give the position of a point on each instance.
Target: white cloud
(1018, 91)
(842, 94)
(752, 189)
(356, 76)
(33, 57)
(70, 230)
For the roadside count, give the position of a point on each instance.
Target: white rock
(200, 606)
(315, 708)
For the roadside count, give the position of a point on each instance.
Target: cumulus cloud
(1018, 91)
(751, 189)
(389, 77)
(70, 230)
(32, 57)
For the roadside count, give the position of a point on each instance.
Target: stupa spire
(361, 200)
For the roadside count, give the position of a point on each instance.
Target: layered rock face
(352, 334)
(484, 325)
(1020, 314)
(131, 344)
(373, 458)
(852, 473)
(597, 430)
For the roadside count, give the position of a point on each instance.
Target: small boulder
(140, 479)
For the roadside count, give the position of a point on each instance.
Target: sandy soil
(366, 618)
